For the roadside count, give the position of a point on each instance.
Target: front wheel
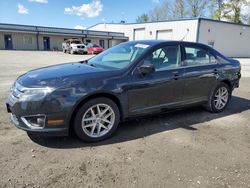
(219, 98)
(96, 120)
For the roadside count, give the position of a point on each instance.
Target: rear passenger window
(198, 56)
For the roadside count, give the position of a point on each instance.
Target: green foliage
(179, 9)
(143, 18)
(162, 12)
(216, 9)
(196, 8)
(230, 10)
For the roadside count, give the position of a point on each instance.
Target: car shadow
(143, 127)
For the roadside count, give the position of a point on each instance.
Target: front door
(8, 42)
(161, 89)
(46, 43)
(200, 74)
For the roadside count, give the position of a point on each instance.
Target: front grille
(81, 47)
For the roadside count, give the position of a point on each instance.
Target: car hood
(97, 48)
(59, 75)
(75, 45)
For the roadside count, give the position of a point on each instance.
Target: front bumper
(79, 50)
(97, 51)
(19, 110)
(19, 123)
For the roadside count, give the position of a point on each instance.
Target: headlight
(34, 94)
(29, 94)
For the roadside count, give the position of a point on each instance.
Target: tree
(179, 11)
(161, 12)
(236, 11)
(233, 10)
(196, 8)
(216, 9)
(143, 18)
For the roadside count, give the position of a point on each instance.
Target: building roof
(175, 20)
(58, 31)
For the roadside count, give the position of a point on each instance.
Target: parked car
(94, 48)
(73, 46)
(129, 80)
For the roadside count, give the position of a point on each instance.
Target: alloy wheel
(98, 120)
(221, 98)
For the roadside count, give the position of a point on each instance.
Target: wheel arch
(112, 97)
(228, 83)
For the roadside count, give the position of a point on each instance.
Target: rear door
(201, 73)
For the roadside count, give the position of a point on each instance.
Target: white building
(26, 37)
(231, 39)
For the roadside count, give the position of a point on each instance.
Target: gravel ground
(186, 148)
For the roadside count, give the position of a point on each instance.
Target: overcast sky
(72, 13)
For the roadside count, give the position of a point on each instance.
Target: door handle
(176, 75)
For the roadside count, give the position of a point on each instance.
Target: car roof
(156, 42)
(73, 40)
(153, 43)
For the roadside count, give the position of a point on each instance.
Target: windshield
(119, 57)
(76, 42)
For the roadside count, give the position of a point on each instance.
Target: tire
(88, 130)
(218, 104)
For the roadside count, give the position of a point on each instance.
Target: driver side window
(164, 58)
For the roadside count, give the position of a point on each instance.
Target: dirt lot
(188, 148)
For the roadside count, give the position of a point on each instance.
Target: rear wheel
(219, 98)
(96, 120)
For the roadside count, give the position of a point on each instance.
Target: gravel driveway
(185, 148)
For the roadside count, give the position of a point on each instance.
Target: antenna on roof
(185, 34)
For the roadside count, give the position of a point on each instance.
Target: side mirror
(146, 69)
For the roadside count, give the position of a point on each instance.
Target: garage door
(164, 34)
(139, 34)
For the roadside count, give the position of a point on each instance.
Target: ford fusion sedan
(129, 80)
